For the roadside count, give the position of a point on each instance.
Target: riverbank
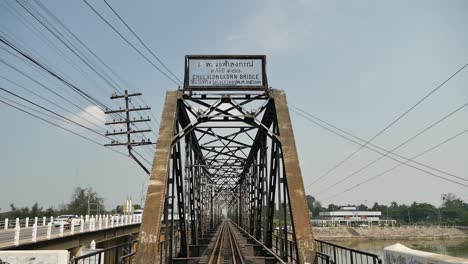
(388, 233)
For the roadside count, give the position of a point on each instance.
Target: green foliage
(314, 206)
(454, 211)
(78, 205)
(82, 197)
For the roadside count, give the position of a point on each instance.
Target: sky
(357, 65)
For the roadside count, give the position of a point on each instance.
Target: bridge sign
(225, 72)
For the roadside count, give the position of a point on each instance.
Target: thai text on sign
(225, 72)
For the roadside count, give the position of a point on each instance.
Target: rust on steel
(154, 204)
(297, 197)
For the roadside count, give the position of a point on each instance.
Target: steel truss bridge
(220, 155)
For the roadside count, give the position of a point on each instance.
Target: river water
(451, 247)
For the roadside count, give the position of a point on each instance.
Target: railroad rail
(226, 247)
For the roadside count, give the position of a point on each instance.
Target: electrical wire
(362, 140)
(115, 86)
(397, 166)
(141, 41)
(52, 112)
(399, 146)
(393, 122)
(66, 129)
(128, 42)
(316, 121)
(49, 101)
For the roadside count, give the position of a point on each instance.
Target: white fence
(17, 231)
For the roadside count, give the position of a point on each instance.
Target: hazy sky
(357, 65)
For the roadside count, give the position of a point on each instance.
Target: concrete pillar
(34, 233)
(92, 245)
(82, 223)
(35, 220)
(93, 223)
(72, 226)
(26, 223)
(49, 230)
(106, 222)
(17, 234)
(86, 218)
(61, 229)
(44, 221)
(6, 224)
(17, 222)
(100, 223)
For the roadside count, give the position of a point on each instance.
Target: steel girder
(225, 154)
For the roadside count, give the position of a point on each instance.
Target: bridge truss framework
(229, 154)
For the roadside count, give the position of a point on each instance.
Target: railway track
(226, 247)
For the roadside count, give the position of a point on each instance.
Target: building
(349, 216)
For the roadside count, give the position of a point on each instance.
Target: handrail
(347, 248)
(99, 251)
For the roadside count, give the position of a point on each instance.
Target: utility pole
(88, 202)
(127, 121)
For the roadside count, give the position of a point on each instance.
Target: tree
(85, 199)
(451, 200)
(310, 202)
(314, 206)
(332, 207)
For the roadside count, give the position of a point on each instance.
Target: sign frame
(263, 87)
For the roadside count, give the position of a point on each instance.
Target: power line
(128, 42)
(141, 41)
(403, 163)
(35, 110)
(115, 85)
(402, 144)
(58, 77)
(393, 122)
(35, 31)
(68, 130)
(52, 112)
(48, 70)
(47, 88)
(56, 125)
(49, 101)
(360, 144)
(55, 18)
(35, 62)
(397, 166)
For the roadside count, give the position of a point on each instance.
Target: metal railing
(323, 258)
(343, 255)
(117, 254)
(284, 246)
